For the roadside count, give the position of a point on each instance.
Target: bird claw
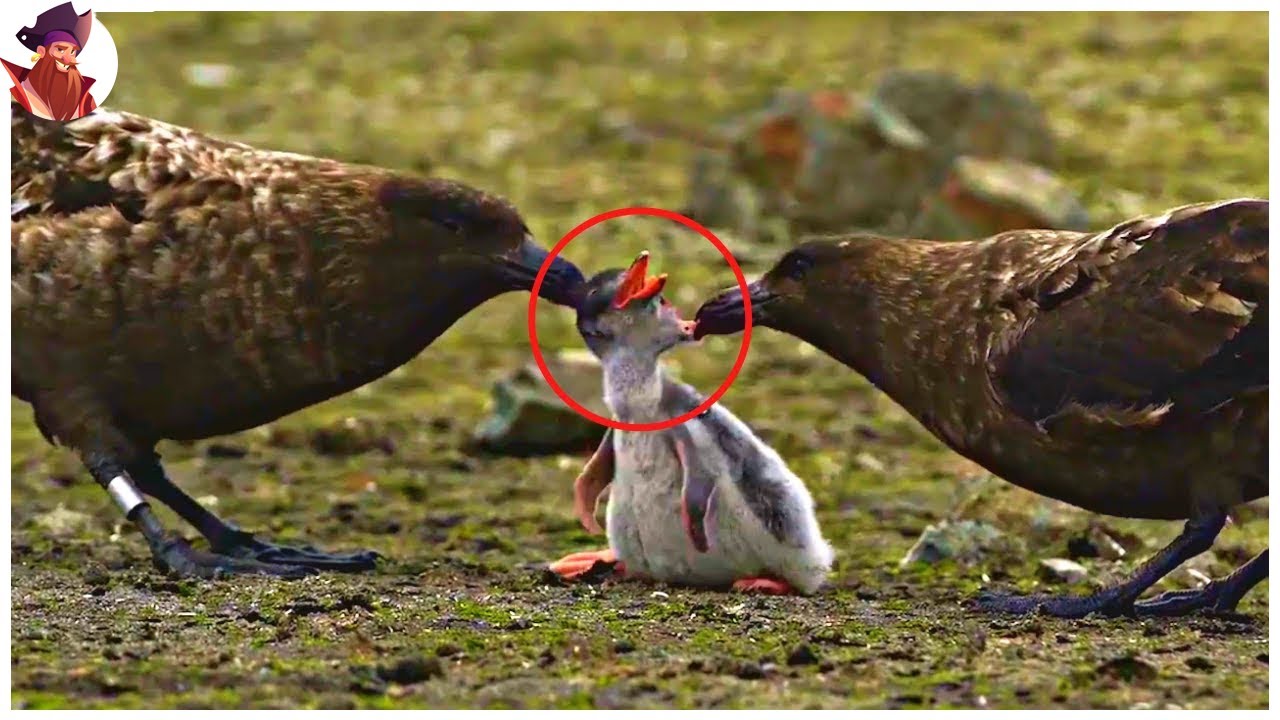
(176, 557)
(245, 546)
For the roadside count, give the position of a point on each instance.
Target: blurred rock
(1127, 668)
(924, 154)
(1200, 663)
(965, 541)
(985, 119)
(982, 197)
(351, 436)
(1095, 543)
(802, 655)
(61, 522)
(528, 418)
(208, 75)
(1062, 571)
(1197, 571)
(408, 671)
(870, 462)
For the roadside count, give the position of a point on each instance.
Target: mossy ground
(1152, 111)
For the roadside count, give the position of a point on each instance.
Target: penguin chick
(705, 503)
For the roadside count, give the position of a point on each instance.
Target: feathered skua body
(1123, 371)
(170, 285)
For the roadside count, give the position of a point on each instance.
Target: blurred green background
(1150, 111)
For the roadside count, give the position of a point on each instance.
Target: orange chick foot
(575, 565)
(764, 586)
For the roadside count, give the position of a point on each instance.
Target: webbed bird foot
(1119, 599)
(241, 552)
(1106, 602)
(244, 546)
(1219, 596)
(175, 556)
(585, 565)
(764, 586)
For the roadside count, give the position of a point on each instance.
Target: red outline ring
(746, 309)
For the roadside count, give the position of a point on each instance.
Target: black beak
(723, 314)
(562, 284)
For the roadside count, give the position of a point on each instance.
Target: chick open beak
(636, 283)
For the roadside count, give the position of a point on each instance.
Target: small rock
(352, 436)
(1196, 578)
(1200, 664)
(1061, 570)
(96, 576)
(1095, 543)
(528, 418)
(623, 647)
(1081, 546)
(224, 450)
(519, 624)
(408, 671)
(1107, 546)
(963, 541)
(447, 650)
(826, 666)
(61, 522)
(867, 461)
(749, 671)
(208, 75)
(1127, 668)
(802, 655)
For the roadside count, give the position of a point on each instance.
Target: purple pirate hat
(63, 22)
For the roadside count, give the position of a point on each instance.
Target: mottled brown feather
(1123, 371)
(167, 284)
(1146, 318)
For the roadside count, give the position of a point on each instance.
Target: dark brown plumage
(167, 284)
(1123, 371)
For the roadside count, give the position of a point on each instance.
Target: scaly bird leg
(575, 565)
(1196, 537)
(172, 554)
(592, 481)
(232, 544)
(1219, 596)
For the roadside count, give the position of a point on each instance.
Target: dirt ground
(1152, 111)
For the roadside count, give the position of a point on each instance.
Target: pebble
(408, 671)
(1200, 664)
(802, 655)
(1061, 570)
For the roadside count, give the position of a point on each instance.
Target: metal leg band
(125, 493)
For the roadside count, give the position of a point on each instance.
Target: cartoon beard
(59, 90)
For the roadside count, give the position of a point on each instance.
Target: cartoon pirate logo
(54, 88)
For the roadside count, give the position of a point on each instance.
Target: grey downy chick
(705, 503)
